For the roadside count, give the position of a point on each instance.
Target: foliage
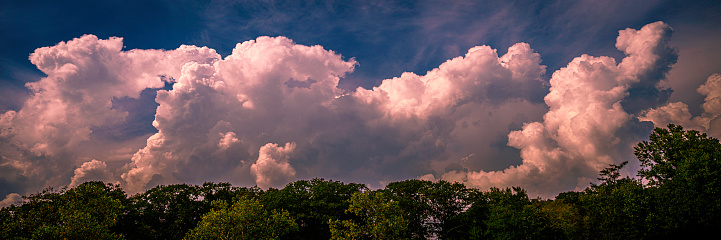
(245, 219)
(379, 218)
(683, 170)
(429, 206)
(88, 211)
(167, 212)
(615, 209)
(512, 215)
(563, 217)
(313, 203)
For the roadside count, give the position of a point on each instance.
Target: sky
(537, 94)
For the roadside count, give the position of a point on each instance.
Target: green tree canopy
(429, 206)
(512, 215)
(683, 171)
(313, 203)
(245, 219)
(379, 218)
(87, 211)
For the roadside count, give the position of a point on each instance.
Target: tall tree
(683, 170)
(617, 208)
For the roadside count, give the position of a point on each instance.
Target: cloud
(216, 122)
(678, 112)
(582, 131)
(224, 117)
(45, 139)
(272, 168)
(217, 116)
(480, 76)
(10, 199)
(91, 171)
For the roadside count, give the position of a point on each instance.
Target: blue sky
(382, 40)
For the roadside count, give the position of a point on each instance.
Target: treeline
(675, 196)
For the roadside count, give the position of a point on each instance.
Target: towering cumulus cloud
(42, 142)
(222, 119)
(581, 132)
(272, 168)
(219, 114)
(271, 112)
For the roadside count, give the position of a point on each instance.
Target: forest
(675, 195)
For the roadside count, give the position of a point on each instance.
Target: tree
(430, 206)
(410, 197)
(513, 216)
(469, 224)
(674, 152)
(563, 217)
(615, 209)
(610, 175)
(88, 211)
(245, 219)
(166, 212)
(683, 171)
(312, 203)
(379, 218)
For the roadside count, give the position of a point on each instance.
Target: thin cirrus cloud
(271, 112)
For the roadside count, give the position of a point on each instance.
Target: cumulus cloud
(10, 199)
(220, 117)
(44, 141)
(581, 133)
(479, 76)
(217, 116)
(678, 112)
(272, 168)
(223, 116)
(91, 171)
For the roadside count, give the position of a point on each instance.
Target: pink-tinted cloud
(272, 168)
(580, 134)
(44, 140)
(678, 113)
(217, 116)
(10, 199)
(93, 170)
(474, 119)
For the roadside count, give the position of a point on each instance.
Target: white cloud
(237, 105)
(272, 168)
(273, 90)
(10, 199)
(84, 75)
(580, 133)
(223, 116)
(678, 113)
(91, 171)
(479, 76)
